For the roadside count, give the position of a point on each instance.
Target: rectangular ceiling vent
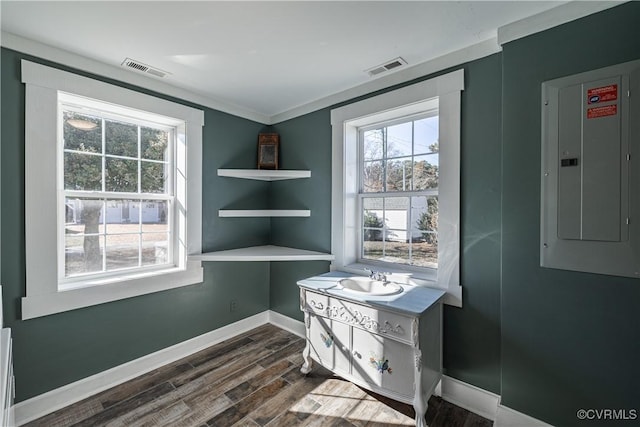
(143, 68)
(387, 66)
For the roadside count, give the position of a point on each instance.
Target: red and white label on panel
(602, 94)
(604, 111)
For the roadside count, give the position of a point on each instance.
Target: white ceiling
(265, 57)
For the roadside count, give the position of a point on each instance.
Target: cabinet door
(329, 342)
(383, 363)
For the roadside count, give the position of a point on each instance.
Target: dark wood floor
(251, 380)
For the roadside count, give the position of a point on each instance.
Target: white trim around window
(44, 295)
(443, 92)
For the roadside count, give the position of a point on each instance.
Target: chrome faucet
(376, 275)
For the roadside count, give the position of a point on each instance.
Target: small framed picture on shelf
(268, 146)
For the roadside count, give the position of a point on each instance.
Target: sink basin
(368, 286)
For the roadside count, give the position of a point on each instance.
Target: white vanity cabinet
(391, 345)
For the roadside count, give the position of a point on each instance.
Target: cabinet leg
(419, 402)
(420, 406)
(308, 362)
(306, 353)
(420, 414)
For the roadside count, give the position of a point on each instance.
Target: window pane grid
(84, 153)
(402, 157)
(138, 143)
(387, 243)
(114, 195)
(104, 168)
(117, 240)
(399, 158)
(114, 156)
(116, 224)
(429, 192)
(73, 107)
(399, 188)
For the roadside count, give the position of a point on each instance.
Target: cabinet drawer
(392, 325)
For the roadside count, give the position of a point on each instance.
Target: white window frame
(442, 92)
(44, 296)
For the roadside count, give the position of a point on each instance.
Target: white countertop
(414, 300)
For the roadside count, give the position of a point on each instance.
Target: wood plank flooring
(250, 380)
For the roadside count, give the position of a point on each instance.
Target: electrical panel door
(590, 210)
(590, 170)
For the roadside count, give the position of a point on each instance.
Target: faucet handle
(372, 273)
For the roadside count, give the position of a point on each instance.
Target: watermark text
(607, 414)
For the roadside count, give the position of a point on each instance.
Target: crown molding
(552, 18)
(40, 50)
(451, 59)
(60, 56)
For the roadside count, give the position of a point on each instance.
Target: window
(112, 180)
(396, 184)
(116, 191)
(399, 191)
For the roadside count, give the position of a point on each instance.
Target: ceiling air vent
(143, 68)
(387, 66)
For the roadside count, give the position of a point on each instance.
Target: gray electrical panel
(590, 178)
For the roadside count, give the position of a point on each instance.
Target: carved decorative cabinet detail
(391, 345)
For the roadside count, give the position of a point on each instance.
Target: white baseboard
(287, 323)
(61, 397)
(465, 395)
(469, 397)
(507, 417)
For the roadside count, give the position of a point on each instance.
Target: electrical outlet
(233, 305)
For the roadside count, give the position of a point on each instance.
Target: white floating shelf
(244, 213)
(263, 253)
(264, 174)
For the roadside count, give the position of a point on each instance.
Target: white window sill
(110, 290)
(130, 277)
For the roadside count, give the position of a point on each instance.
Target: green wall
(56, 350)
(305, 144)
(471, 334)
(569, 340)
